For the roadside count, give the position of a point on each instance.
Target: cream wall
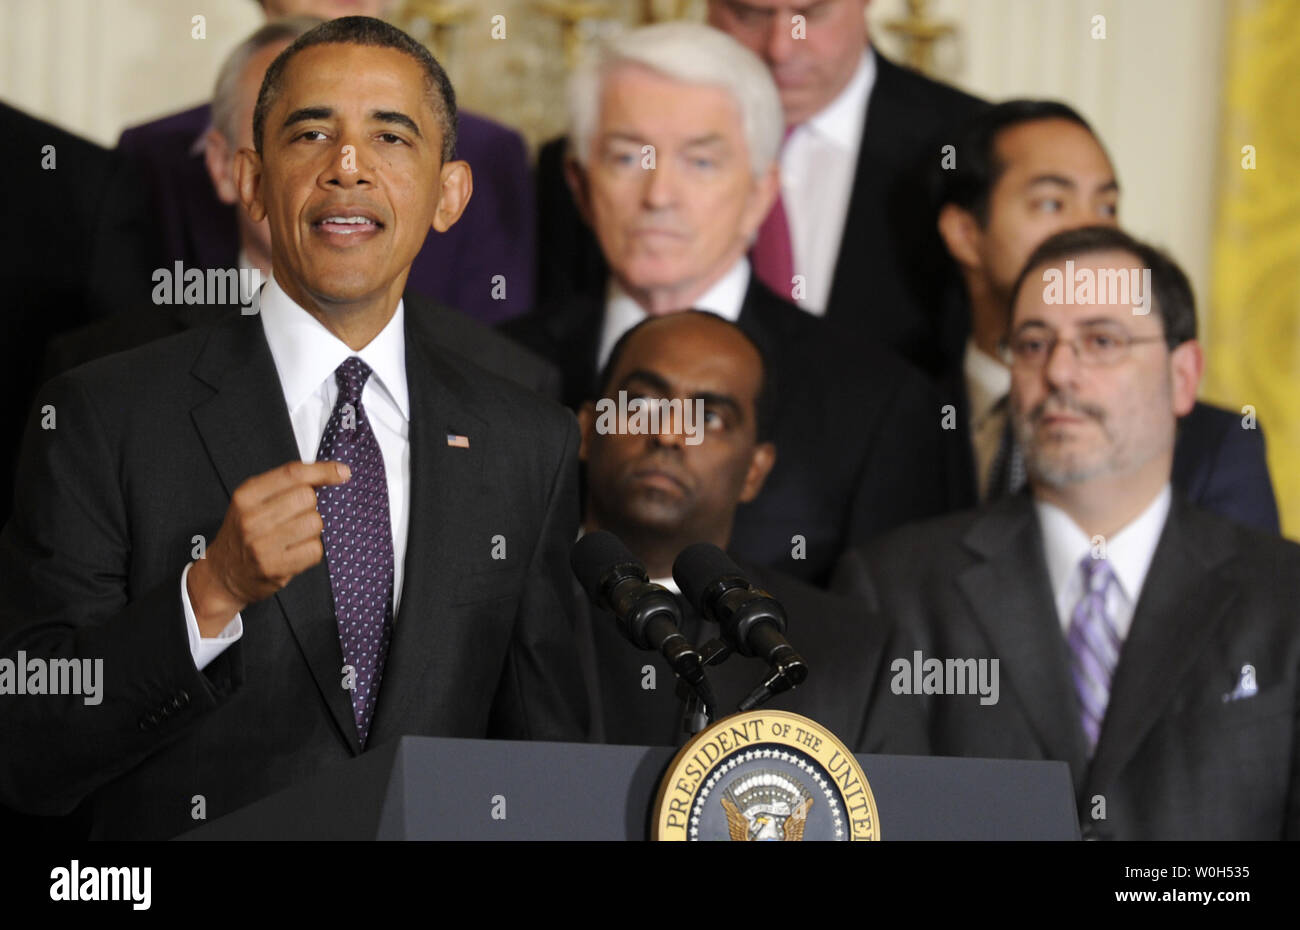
(1150, 87)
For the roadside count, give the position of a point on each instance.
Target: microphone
(752, 621)
(648, 614)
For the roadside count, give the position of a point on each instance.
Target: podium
(421, 788)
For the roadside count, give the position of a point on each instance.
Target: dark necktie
(358, 538)
(773, 252)
(1007, 475)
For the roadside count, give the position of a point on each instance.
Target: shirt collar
(306, 353)
(987, 381)
(1129, 551)
(842, 119)
(726, 298)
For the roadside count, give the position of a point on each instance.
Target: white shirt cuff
(202, 649)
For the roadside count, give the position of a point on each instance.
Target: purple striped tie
(358, 538)
(1094, 646)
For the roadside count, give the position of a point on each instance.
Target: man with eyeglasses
(1028, 169)
(1150, 644)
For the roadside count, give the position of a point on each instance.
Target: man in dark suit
(663, 489)
(850, 219)
(293, 535)
(483, 266)
(83, 249)
(1148, 643)
(1028, 169)
(676, 175)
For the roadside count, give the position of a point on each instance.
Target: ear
(767, 187)
(575, 175)
(760, 466)
(216, 156)
(248, 180)
(1186, 364)
(962, 235)
(586, 429)
(457, 188)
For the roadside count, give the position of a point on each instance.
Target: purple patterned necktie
(358, 538)
(1094, 646)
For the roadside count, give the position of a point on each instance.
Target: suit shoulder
(189, 123)
(935, 96)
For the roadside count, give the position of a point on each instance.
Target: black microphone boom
(752, 621)
(648, 615)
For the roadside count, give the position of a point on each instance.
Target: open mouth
(348, 225)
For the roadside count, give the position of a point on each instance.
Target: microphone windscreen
(594, 555)
(700, 565)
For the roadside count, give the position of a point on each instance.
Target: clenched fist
(271, 533)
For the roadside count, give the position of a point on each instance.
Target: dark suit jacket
(843, 646)
(80, 244)
(450, 329)
(892, 283)
(859, 449)
(1217, 465)
(493, 237)
(148, 447)
(1175, 759)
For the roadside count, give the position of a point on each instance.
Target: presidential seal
(765, 775)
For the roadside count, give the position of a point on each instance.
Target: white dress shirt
(988, 381)
(819, 164)
(1129, 553)
(622, 312)
(305, 355)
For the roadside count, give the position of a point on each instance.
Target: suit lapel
(442, 479)
(1183, 599)
(246, 435)
(1011, 599)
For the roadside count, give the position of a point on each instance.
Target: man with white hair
(675, 133)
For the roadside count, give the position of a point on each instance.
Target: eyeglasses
(1097, 346)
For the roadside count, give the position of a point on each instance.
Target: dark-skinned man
(226, 518)
(661, 491)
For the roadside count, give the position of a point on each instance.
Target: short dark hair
(970, 183)
(764, 403)
(1171, 291)
(364, 30)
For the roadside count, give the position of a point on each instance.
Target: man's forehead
(632, 82)
(691, 354)
(1082, 288)
(343, 70)
(1050, 145)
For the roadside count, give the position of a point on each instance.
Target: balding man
(679, 482)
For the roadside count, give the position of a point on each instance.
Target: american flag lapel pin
(457, 441)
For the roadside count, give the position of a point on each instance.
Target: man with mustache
(1150, 644)
(294, 535)
(1028, 169)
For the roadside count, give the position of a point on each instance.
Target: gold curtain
(1253, 319)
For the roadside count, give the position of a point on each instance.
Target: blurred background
(1197, 100)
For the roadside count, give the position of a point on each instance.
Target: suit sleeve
(1241, 488)
(906, 475)
(541, 694)
(895, 723)
(65, 594)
